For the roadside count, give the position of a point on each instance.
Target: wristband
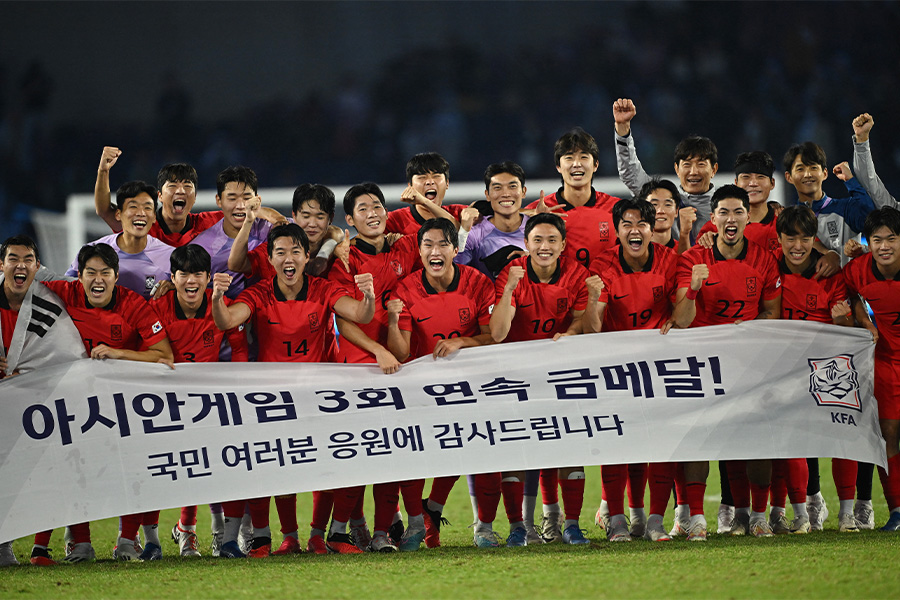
(691, 294)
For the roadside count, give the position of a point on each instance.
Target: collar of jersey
(110, 306)
(770, 216)
(568, 207)
(718, 255)
(165, 228)
(367, 248)
(648, 266)
(279, 296)
(810, 270)
(453, 284)
(878, 275)
(201, 312)
(533, 277)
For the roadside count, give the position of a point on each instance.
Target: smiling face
(137, 215)
(885, 246)
(313, 220)
(431, 185)
(797, 249)
(99, 281)
(177, 199)
(505, 193)
(695, 174)
(577, 168)
(288, 258)
(545, 245)
(634, 234)
(233, 202)
(758, 186)
(19, 266)
(807, 178)
(666, 208)
(190, 286)
(437, 254)
(368, 217)
(730, 218)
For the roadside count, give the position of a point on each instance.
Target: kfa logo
(314, 321)
(811, 301)
(208, 338)
(834, 382)
(604, 231)
(751, 286)
(149, 282)
(115, 332)
(832, 228)
(397, 267)
(465, 317)
(657, 293)
(562, 305)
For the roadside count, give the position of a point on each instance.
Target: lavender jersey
(484, 241)
(218, 244)
(137, 272)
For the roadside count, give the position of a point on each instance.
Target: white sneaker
(655, 532)
(760, 528)
(697, 531)
(125, 551)
(818, 512)
(800, 525)
(778, 523)
(724, 520)
(81, 552)
(551, 527)
(7, 556)
(618, 529)
(186, 540)
(245, 535)
(864, 514)
(847, 523)
(601, 519)
(532, 537)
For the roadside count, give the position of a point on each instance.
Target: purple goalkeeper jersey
(137, 272)
(484, 241)
(218, 244)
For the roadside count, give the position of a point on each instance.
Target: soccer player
(50, 338)
(186, 315)
(696, 162)
(290, 314)
(873, 277)
(733, 281)
(666, 200)
(588, 213)
(497, 239)
(444, 308)
(143, 259)
(427, 180)
(806, 297)
(633, 287)
(539, 296)
(114, 323)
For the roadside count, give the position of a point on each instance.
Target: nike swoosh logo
(619, 297)
(271, 322)
(526, 305)
(418, 320)
(712, 283)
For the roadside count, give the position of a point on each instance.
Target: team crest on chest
(397, 267)
(314, 321)
(465, 316)
(604, 231)
(149, 282)
(751, 286)
(208, 338)
(811, 301)
(657, 293)
(115, 332)
(832, 228)
(562, 305)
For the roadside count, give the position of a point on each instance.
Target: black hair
(546, 218)
(886, 216)
(659, 184)
(695, 146)
(757, 162)
(646, 210)
(797, 220)
(19, 240)
(361, 189)
(809, 153)
(104, 252)
(427, 162)
(444, 226)
(575, 140)
(133, 189)
(314, 191)
(176, 172)
(505, 167)
(729, 191)
(237, 174)
(191, 258)
(291, 230)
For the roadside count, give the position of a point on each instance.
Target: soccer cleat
(760, 528)
(151, 552)
(574, 536)
(486, 539)
(818, 512)
(289, 545)
(395, 532)
(551, 527)
(125, 552)
(655, 532)
(433, 522)
(740, 525)
(231, 550)
(7, 556)
(697, 531)
(215, 546)
(260, 547)
(68, 540)
(316, 545)
(411, 540)
(800, 525)
(680, 528)
(186, 540)
(864, 514)
(893, 523)
(617, 530)
(381, 543)
(725, 518)
(601, 519)
(847, 523)
(638, 525)
(81, 552)
(517, 538)
(245, 536)
(532, 537)
(40, 557)
(361, 536)
(341, 543)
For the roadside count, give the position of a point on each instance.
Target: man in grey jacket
(864, 166)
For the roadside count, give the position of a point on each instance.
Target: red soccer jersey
(407, 221)
(125, 323)
(805, 298)
(292, 330)
(589, 228)
(636, 300)
(432, 316)
(196, 224)
(197, 339)
(762, 234)
(862, 277)
(735, 288)
(387, 267)
(8, 318)
(544, 309)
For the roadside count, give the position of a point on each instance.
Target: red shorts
(887, 389)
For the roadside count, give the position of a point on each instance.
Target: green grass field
(820, 565)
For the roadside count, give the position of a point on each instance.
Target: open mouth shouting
(730, 233)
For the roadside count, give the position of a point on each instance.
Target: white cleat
(655, 532)
(847, 523)
(864, 514)
(724, 520)
(618, 529)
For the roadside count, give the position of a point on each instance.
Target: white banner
(92, 439)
